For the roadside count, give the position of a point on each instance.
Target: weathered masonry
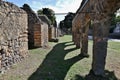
(99, 12)
(52, 33)
(32, 20)
(52, 30)
(46, 21)
(37, 30)
(13, 34)
(43, 34)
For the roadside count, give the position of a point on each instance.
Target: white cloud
(67, 5)
(61, 6)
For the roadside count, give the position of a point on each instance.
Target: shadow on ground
(54, 66)
(109, 75)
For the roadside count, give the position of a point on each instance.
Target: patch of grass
(114, 45)
(58, 61)
(61, 61)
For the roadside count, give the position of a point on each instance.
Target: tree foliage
(40, 12)
(115, 19)
(61, 24)
(67, 22)
(49, 13)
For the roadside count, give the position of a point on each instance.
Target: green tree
(49, 13)
(117, 19)
(39, 12)
(114, 21)
(67, 22)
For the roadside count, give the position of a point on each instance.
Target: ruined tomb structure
(13, 35)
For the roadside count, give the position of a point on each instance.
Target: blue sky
(59, 6)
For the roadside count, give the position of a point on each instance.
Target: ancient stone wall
(32, 20)
(50, 34)
(37, 35)
(44, 34)
(41, 35)
(59, 32)
(53, 32)
(46, 22)
(13, 35)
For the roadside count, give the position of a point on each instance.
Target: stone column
(74, 34)
(77, 40)
(100, 37)
(84, 49)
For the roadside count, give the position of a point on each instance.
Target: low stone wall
(13, 35)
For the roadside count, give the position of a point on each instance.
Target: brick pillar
(100, 38)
